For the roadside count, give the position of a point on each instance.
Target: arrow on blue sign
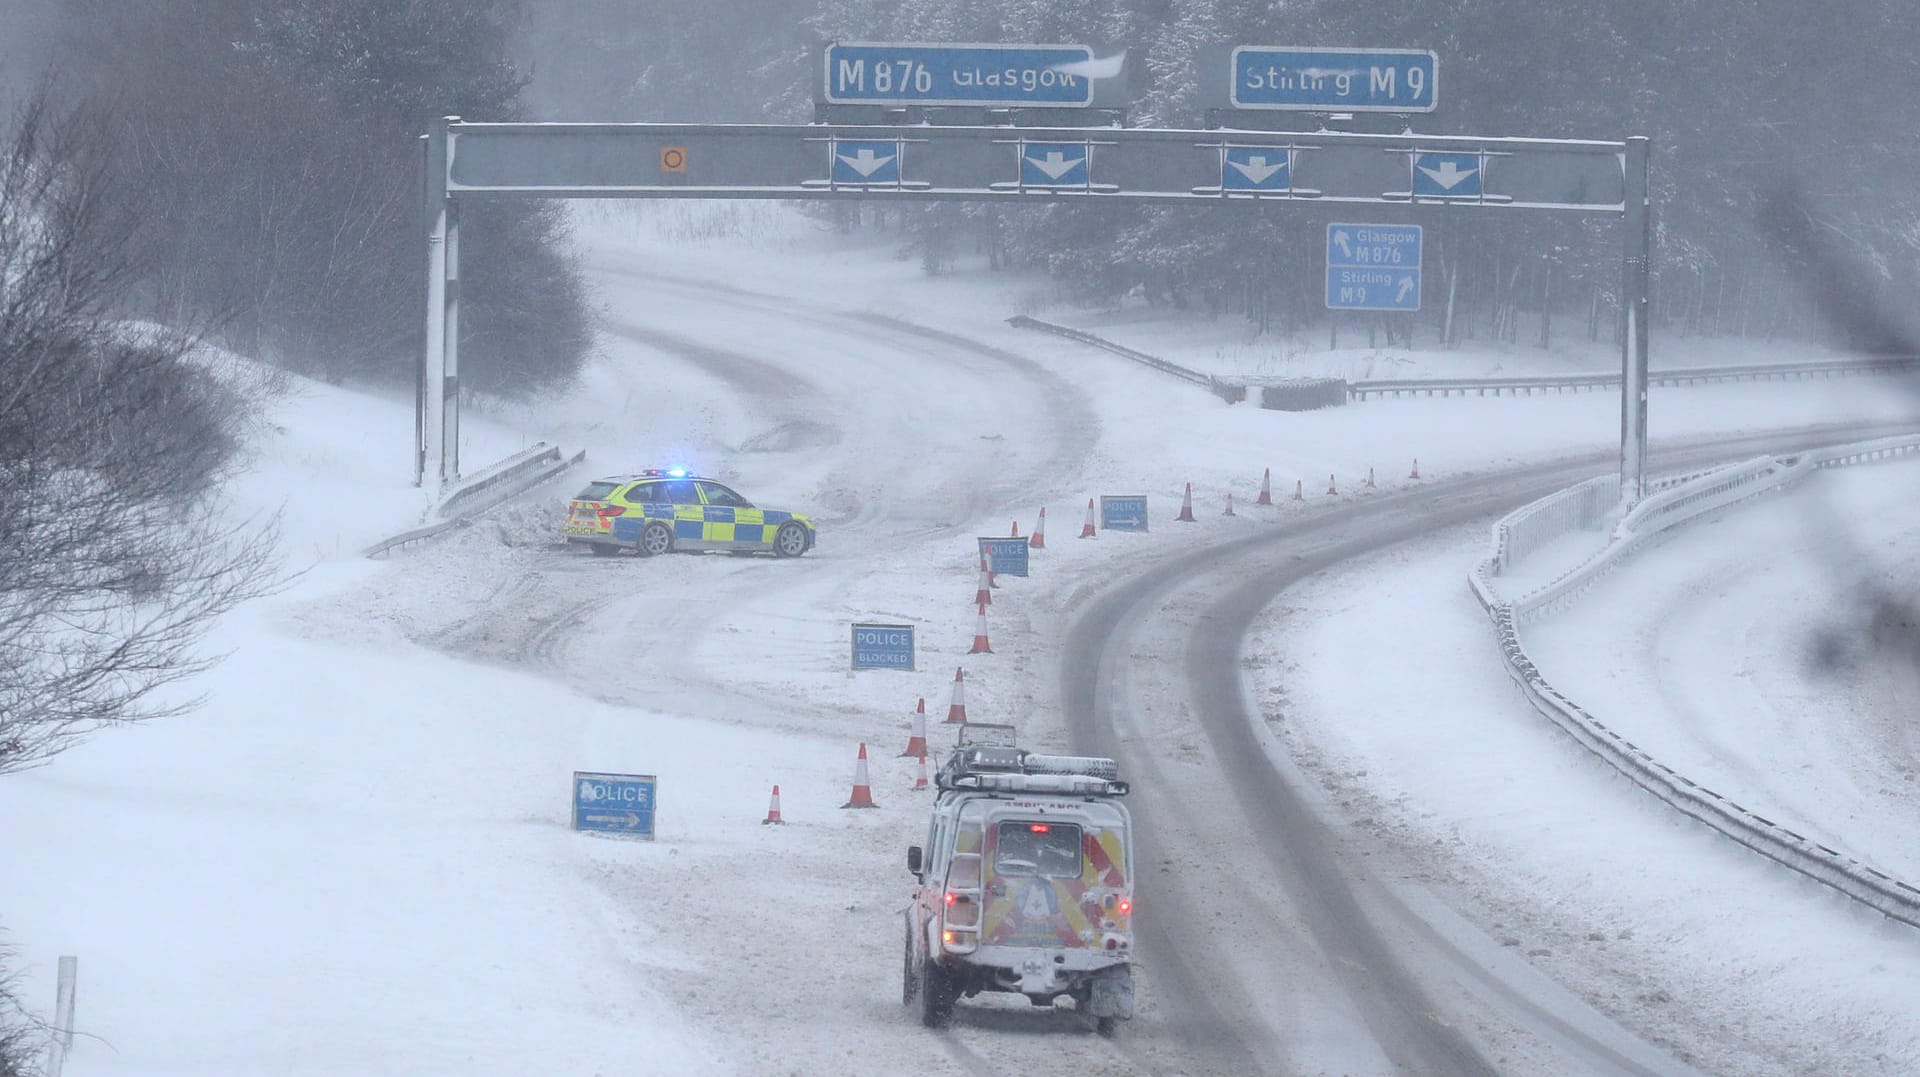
(1447, 175)
(1250, 168)
(1053, 164)
(858, 162)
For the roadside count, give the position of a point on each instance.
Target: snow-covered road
(355, 858)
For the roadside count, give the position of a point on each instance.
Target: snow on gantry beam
(800, 161)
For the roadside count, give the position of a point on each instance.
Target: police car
(660, 510)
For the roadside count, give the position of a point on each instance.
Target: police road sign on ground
(1448, 175)
(1373, 266)
(882, 646)
(1334, 80)
(865, 161)
(994, 76)
(1124, 512)
(1254, 168)
(1006, 556)
(619, 804)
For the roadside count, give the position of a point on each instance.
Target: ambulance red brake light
(1126, 906)
(1038, 828)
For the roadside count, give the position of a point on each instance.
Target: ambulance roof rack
(1008, 769)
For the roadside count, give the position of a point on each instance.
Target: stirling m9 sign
(993, 76)
(1335, 80)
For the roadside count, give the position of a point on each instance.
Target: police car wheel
(656, 538)
(790, 540)
(601, 549)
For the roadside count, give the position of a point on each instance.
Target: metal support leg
(1637, 247)
(450, 384)
(433, 346)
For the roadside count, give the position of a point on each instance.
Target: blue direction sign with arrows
(995, 76)
(1053, 164)
(1373, 266)
(1448, 175)
(866, 161)
(619, 804)
(1335, 80)
(1254, 168)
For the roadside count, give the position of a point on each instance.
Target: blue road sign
(614, 803)
(1335, 80)
(1053, 164)
(1373, 266)
(1448, 175)
(1254, 168)
(1123, 513)
(1006, 556)
(997, 76)
(882, 646)
(865, 161)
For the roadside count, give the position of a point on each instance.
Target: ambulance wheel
(656, 538)
(909, 983)
(1106, 1026)
(936, 994)
(790, 540)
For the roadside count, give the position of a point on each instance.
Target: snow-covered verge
(1683, 651)
(355, 857)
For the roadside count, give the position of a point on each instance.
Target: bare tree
(115, 553)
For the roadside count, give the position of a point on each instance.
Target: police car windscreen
(1030, 847)
(596, 491)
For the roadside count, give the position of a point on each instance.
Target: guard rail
(1674, 501)
(1233, 389)
(493, 485)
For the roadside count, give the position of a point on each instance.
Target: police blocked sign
(1126, 512)
(1006, 556)
(882, 646)
(614, 803)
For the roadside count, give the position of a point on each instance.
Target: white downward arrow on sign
(1449, 175)
(1056, 164)
(1406, 289)
(865, 162)
(1257, 169)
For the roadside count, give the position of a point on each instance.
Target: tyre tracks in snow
(1297, 895)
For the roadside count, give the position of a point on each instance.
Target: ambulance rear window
(1031, 847)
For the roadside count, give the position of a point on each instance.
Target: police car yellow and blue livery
(656, 511)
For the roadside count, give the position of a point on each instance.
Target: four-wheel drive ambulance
(1025, 885)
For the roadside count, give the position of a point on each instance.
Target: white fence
(1673, 502)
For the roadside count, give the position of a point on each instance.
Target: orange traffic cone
(920, 782)
(917, 741)
(1016, 530)
(1266, 487)
(1039, 539)
(1186, 506)
(986, 566)
(1369, 478)
(773, 810)
(1298, 493)
(957, 710)
(1330, 487)
(982, 596)
(1086, 529)
(1229, 511)
(862, 787)
(980, 645)
(1416, 469)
